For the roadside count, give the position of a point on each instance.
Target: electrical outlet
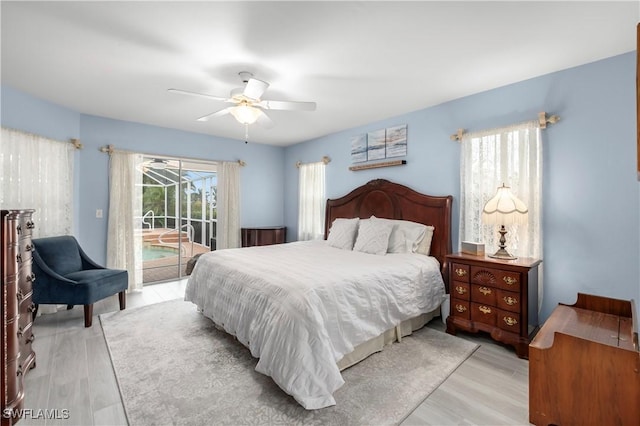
(99, 213)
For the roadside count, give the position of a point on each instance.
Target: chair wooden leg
(88, 315)
(122, 297)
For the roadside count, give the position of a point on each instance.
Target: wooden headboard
(385, 199)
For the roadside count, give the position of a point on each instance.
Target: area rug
(174, 367)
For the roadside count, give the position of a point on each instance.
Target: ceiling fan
(248, 105)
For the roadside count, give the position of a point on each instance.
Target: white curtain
(311, 201)
(37, 173)
(513, 156)
(124, 242)
(228, 231)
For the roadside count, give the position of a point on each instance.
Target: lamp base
(502, 254)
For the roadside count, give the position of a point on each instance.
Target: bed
(309, 309)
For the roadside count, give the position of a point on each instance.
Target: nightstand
(496, 296)
(263, 236)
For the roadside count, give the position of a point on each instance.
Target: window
(37, 173)
(311, 199)
(512, 156)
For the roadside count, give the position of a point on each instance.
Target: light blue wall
(591, 229)
(261, 179)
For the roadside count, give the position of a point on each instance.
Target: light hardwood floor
(74, 372)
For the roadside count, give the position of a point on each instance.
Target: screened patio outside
(179, 215)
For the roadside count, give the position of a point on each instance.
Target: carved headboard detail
(385, 199)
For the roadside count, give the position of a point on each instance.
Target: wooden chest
(584, 365)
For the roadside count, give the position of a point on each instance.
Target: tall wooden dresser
(17, 310)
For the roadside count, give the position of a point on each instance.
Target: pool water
(154, 252)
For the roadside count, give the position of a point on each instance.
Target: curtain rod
(325, 160)
(75, 142)
(109, 149)
(542, 121)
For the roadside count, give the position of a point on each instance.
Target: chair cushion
(95, 284)
(59, 253)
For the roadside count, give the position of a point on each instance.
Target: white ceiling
(360, 61)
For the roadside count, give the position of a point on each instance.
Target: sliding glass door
(179, 215)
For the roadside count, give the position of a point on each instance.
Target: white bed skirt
(390, 336)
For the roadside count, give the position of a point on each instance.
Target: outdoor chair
(65, 275)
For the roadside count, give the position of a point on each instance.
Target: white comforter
(300, 307)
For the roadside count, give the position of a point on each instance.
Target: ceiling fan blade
(265, 121)
(199, 95)
(215, 114)
(255, 88)
(288, 105)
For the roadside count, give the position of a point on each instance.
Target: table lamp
(504, 209)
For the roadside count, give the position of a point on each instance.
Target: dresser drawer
(26, 277)
(460, 290)
(24, 226)
(11, 288)
(483, 294)
(485, 314)
(508, 301)
(506, 280)
(460, 308)
(460, 272)
(509, 321)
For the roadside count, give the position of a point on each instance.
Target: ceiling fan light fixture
(158, 164)
(245, 114)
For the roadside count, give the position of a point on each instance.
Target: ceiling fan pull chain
(246, 133)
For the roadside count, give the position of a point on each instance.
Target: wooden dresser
(17, 310)
(499, 297)
(263, 236)
(584, 365)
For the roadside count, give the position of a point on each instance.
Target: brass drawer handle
(485, 290)
(510, 280)
(31, 339)
(484, 309)
(28, 247)
(18, 229)
(19, 258)
(461, 308)
(20, 296)
(30, 225)
(20, 332)
(460, 289)
(32, 308)
(19, 372)
(510, 300)
(461, 272)
(31, 277)
(510, 321)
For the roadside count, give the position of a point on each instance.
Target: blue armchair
(66, 275)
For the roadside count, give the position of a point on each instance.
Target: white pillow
(425, 245)
(373, 236)
(405, 236)
(342, 233)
